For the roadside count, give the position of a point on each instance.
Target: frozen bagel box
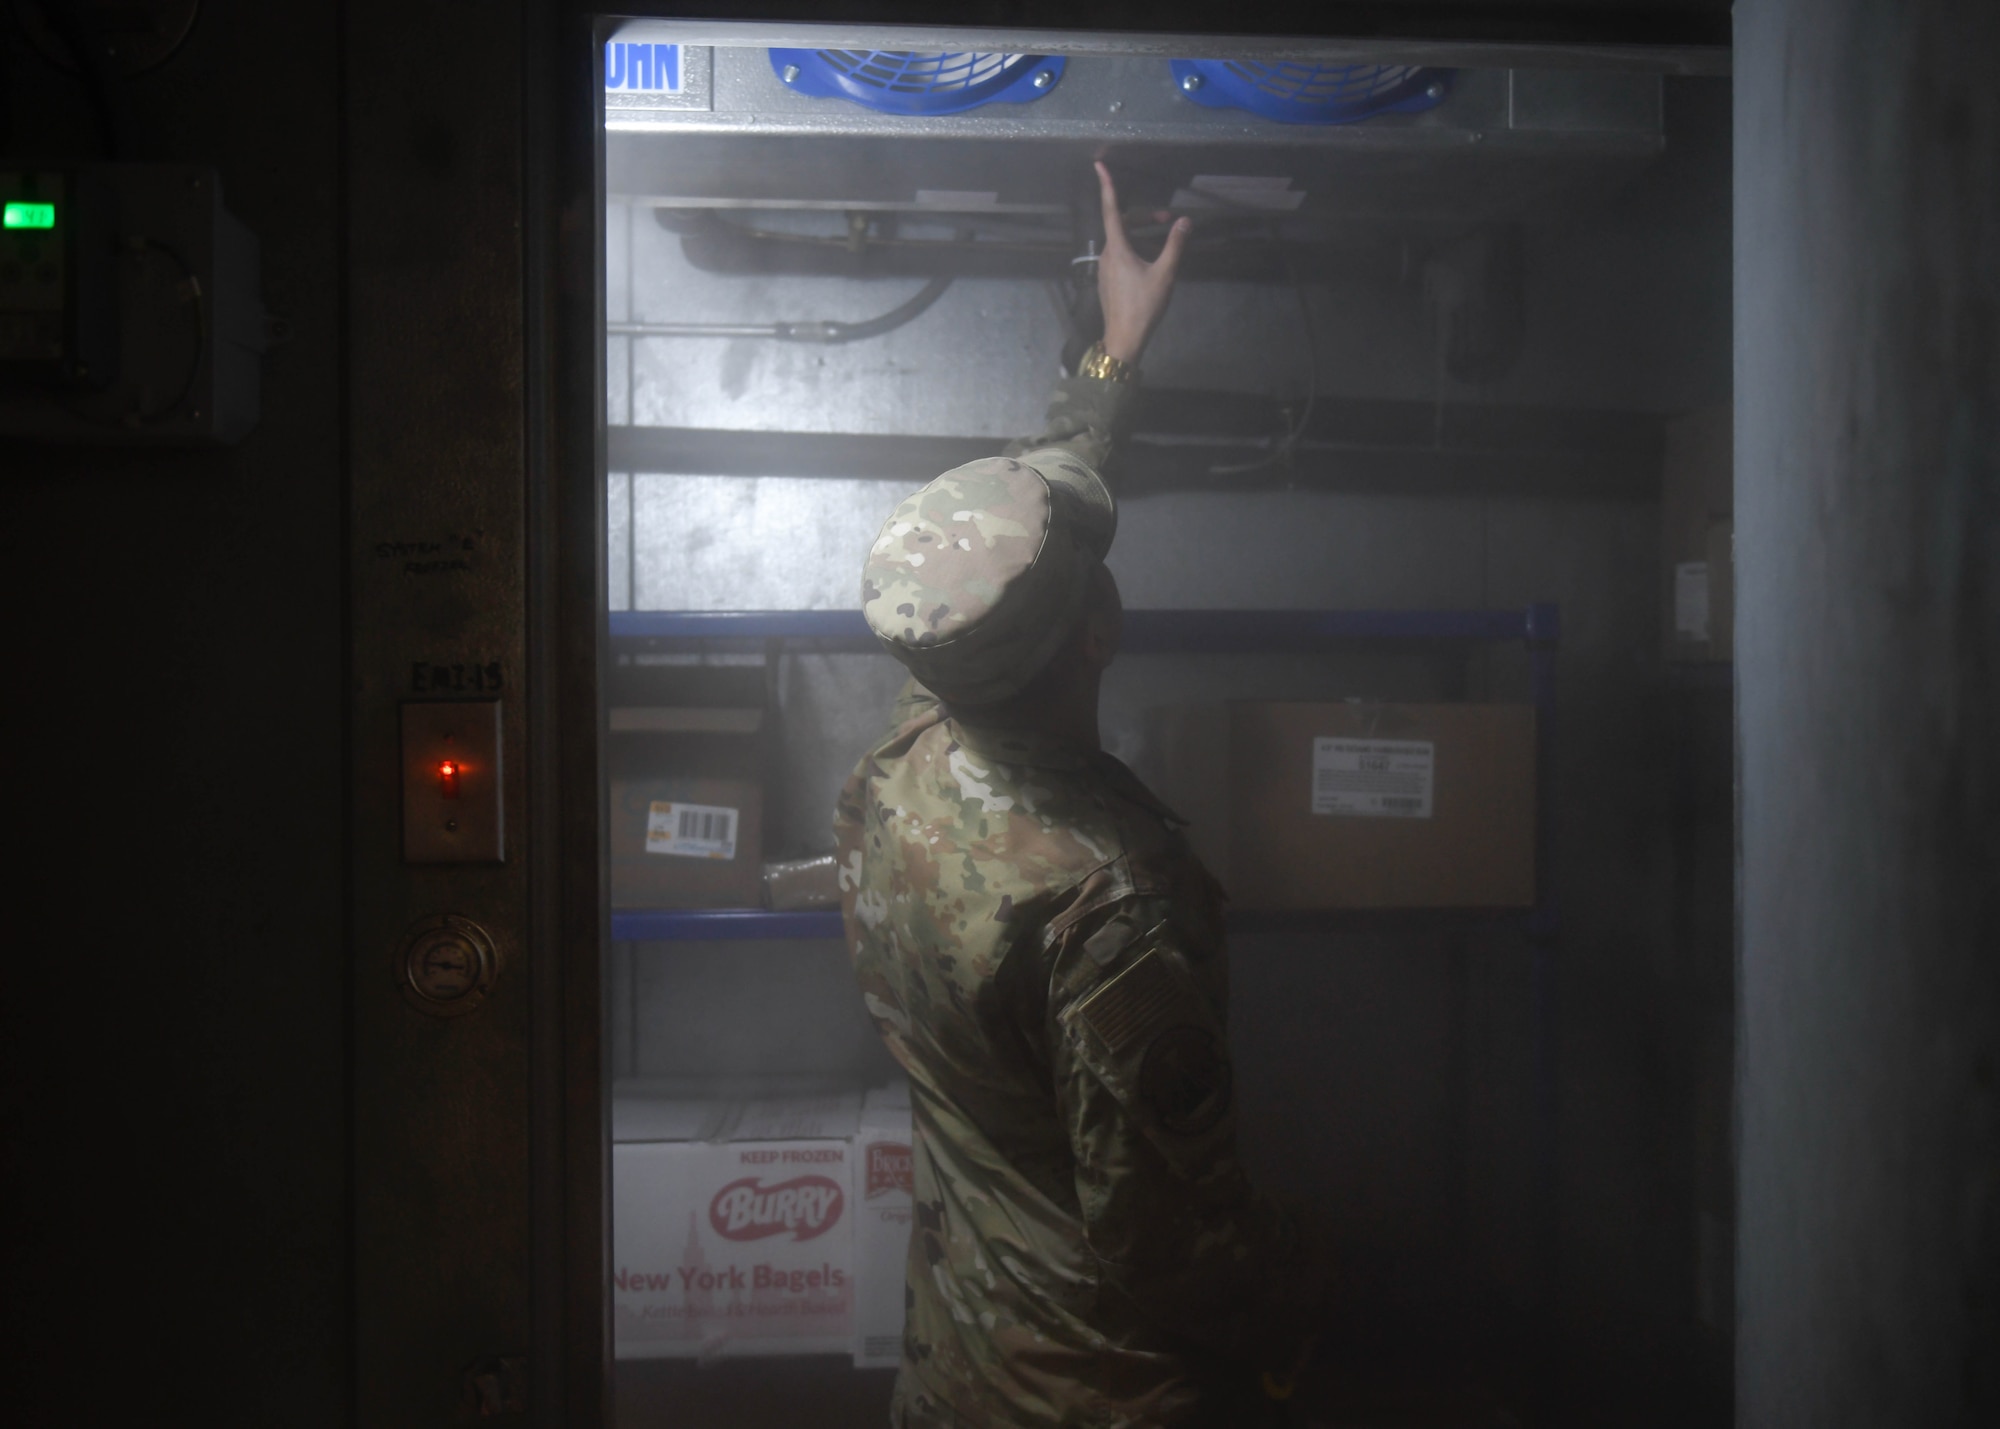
(883, 1181)
(732, 1225)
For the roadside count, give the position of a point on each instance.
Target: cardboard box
(687, 817)
(884, 1172)
(1357, 805)
(1697, 535)
(732, 1233)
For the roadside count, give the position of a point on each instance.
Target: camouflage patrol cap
(976, 580)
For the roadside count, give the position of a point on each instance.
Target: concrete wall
(1868, 635)
(175, 1109)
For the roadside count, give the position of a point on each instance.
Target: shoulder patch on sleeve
(1136, 1005)
(1185, 1079)
(1109, 941)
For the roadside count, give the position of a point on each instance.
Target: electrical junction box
(57, 320)
(1697, 531)
(130, 312)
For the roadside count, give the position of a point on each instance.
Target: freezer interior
(1409, 439)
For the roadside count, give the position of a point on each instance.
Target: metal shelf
(673, 925)
(1157, 632)
(1147, 632)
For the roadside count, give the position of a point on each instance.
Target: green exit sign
(29, 215)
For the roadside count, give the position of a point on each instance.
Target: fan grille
(1343, 87)
(945, 72)
(1298, 92)
(918, 82)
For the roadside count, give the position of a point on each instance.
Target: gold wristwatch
(1104, 367)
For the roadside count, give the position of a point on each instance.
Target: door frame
(423, 1220)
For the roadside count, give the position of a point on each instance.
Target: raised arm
(1092, 410)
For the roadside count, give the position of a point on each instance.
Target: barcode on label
(690, 830)
(1373, 778)
(707, 825)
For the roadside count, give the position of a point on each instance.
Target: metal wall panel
(754, 543)
(708, 1012)
(618, 270)
(964, 368)
(618, 553)
(979, 362)
(435, 322)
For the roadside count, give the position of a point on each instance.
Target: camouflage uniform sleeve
(913, 702)
(1087, 415)
(1145, 1084)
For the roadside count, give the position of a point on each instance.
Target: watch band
(1104, 367)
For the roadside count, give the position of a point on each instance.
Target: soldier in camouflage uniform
(1044, 956)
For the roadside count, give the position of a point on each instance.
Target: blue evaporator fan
(1298, 93)
(899, 82)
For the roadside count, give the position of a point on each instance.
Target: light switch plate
(440, 826)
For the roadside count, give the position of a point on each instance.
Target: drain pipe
(811, 331)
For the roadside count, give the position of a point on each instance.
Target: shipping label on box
(685, 842)
(737, 1248)
(884, 1181)
(690, 830)
(1373, 778)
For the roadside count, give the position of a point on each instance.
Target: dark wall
(1868, 351)
(175, 1089)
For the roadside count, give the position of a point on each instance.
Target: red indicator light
(448, 773)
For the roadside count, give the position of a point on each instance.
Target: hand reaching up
(1132, 291)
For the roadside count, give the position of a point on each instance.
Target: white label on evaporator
(690, 830)
(1691, 600)
(1373, 778)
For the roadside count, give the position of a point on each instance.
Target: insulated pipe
(694, 329)
(811, 331)
(1867, 291)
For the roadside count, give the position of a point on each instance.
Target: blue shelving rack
(1146, 632)
(1208, 632)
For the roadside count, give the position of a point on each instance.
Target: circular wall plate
(446, 964)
